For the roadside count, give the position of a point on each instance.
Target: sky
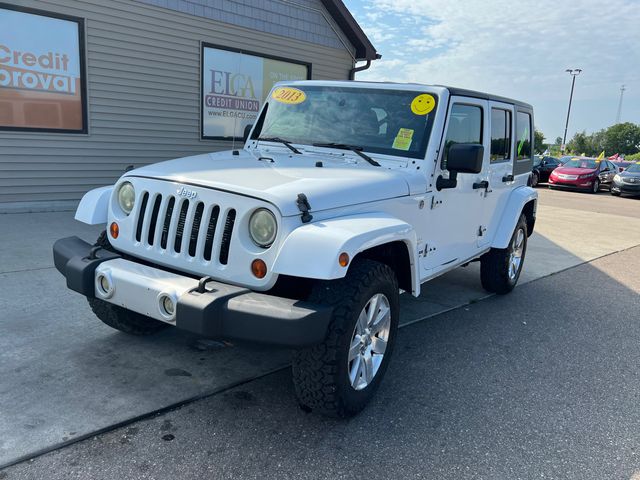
(518, 49)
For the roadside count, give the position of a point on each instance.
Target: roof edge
(343, 17)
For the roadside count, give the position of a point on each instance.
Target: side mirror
(462, 158)
(465, 158)
(247, 131)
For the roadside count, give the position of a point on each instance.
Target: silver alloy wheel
(369, 341)
(596, 186)
(515, 256)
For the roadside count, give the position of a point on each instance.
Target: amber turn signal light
(114, 230)
(258, 268)
(343, 259)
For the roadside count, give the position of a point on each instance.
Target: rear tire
(500, 268)
(340, 376)
(535, 179)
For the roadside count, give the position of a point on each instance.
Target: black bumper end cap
(236, 313)
(71, 259)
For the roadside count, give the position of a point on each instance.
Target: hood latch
(304, 207)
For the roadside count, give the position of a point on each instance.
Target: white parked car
(344, 194)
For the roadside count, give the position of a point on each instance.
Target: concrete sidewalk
(66, 375)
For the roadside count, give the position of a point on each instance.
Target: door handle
(507, 178)
(483, 184)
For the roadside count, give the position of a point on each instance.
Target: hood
(626, 173)
(575, 171)
(279, 177)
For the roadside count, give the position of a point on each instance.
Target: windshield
(589, 163)
(634, 167)
(391, 122)
(537, 159)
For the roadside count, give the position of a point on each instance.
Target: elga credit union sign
(40, 71)
(235, 84)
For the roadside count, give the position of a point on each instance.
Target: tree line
(622, 138)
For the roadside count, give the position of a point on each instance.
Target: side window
(523, 136)
(500, 135)
(465, 126)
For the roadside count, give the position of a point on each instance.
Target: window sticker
(525, 136)
(403, 139)
(423, 104)
(289, 95)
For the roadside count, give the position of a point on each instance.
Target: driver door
(455, 215)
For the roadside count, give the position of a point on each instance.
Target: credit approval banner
(40, 72)
(235, 84)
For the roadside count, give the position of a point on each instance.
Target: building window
(42, 79)
(523, 136)
(465, 126)
(500, 135)
(234, 86)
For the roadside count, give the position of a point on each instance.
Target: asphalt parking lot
(541, 383)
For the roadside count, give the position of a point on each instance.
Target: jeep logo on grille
(185, 192)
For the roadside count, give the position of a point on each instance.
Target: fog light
(104, 286)
(259, 268)
(114, 230)
(168, 306)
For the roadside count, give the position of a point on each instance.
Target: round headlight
(617, 178)
(126, 197)
(263, 227)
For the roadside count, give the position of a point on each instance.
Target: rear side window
(465, 126)
(500, 135)
(523, 136)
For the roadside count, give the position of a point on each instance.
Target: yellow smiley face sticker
(423, 104)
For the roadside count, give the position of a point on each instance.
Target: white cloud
(518, 49)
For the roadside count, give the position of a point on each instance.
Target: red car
(586, 174)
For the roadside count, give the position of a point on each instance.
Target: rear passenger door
(500, 168)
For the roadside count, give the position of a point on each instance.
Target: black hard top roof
(485, 96)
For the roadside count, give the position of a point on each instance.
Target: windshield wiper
(354, 148)
(280, 140)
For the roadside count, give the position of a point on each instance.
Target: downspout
(354, 70)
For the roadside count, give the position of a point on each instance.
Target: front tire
(595, 188)
(500, 268)
(340, 376)
(125, 320)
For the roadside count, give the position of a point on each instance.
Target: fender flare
(312, 250)
(94, 206)
(518, 198)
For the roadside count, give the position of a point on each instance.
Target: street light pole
(574, 72)
(622, 89)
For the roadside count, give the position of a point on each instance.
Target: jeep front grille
(187, 227)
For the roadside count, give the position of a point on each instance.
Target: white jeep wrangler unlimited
(344, 194)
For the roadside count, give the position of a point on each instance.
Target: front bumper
(212, 309)
(580, 184)
(622, 187)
